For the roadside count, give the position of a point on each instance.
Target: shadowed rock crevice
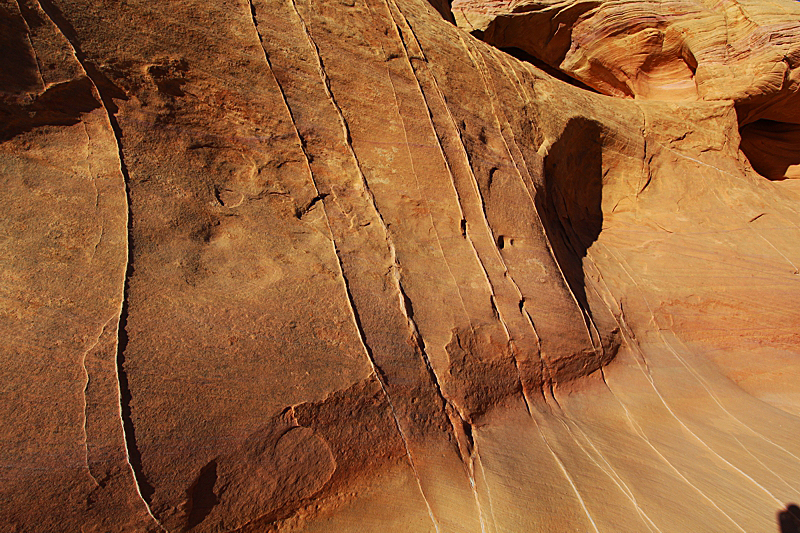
(789, 519)
(570, 202)
(145, 488)
(444, 9)
(107, 90)
(202, 498)
(19, 74)
(773, 148)
(522, 55)
(62, 104)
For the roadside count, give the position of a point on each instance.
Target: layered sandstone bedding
(382, 265)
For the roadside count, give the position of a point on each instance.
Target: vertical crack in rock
(646, 172)
(85, 391)
(477, 458)
(473, 180)
(464, 226)
(465, 230)
(474, 455)
(407, 301)
(429, 114)
(132, 453)
(485, 76)
(351, 303)
(408, 312)
(33, 48)
(508, 274)
(348, 139)
(133, 456)
(318, 197)
(468, 457)
(529, 186)
(419, 189)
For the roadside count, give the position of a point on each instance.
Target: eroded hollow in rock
(570, 203)
(773, 148)
(444, 9)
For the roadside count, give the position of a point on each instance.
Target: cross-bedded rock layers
(343, 266)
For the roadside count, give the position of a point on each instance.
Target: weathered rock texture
(747, 52)
(341, 266)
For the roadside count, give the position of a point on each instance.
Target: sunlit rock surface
(344, 267)
(744, 51)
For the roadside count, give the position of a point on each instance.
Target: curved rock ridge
(746, 52)
(676, 51)
(304, 265)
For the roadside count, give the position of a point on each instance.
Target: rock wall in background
(342, 266)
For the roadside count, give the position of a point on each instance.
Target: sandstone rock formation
(746, 52)
(291, 265)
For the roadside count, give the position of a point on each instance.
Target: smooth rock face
(341, 266)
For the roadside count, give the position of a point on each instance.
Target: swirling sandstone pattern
(747, 52)
(302, 265)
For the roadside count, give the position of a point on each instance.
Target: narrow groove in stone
(444, 158)
(563, 469)
(351, 303)
(473, 181)
(33, 48)
(485, 76)
(133, 455)
(640, 433)
(511, 344)
(376, 368)
(405, 299)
